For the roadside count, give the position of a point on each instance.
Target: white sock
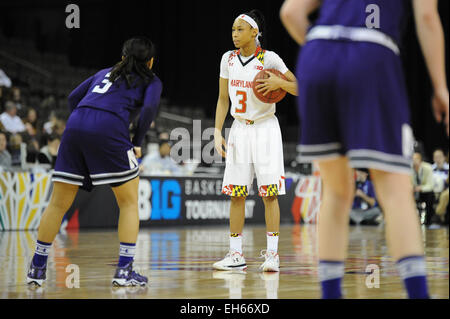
(236, 242)
(272, 241)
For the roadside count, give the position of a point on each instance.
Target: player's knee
(127, 204)
(344, 194)
(126, 199)
(268, 200)
(62, 196)
(60, 204)
(237, 199)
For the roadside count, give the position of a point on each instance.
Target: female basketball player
(354, 109)
(96, 149)
(254, 143)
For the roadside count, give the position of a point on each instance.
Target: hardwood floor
(178, 262)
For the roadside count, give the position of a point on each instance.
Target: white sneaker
(272, 262)
(232, 261)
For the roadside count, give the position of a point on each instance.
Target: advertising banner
(163, 201)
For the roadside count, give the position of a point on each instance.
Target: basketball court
(178, 262)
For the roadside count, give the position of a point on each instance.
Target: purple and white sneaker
(36, 275)
(126, 276)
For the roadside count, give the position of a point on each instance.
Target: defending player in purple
(96, 148)
(354, 113)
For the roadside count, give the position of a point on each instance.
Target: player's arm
(431, 39)
(294, 16)
(78, 93)
(148, 111)
(290, 85)
(223, 104)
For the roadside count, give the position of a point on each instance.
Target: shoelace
(135, 271)
(267, 256)
(232, 252)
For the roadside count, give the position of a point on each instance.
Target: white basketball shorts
(254, 148)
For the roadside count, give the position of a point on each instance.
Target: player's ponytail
(259, 18)
(136, 53)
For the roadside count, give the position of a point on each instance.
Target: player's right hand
(219, 141)
(440, 106)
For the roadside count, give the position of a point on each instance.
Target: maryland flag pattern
(272, 234)
(235, 190)
(260, 54)
(268, 190)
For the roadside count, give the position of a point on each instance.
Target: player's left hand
(272, 83)
(137, 151)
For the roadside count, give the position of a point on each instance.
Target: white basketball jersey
(240, 72)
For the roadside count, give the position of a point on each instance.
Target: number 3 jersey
(240, 72)
(99, 93)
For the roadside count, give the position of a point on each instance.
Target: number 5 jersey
(127, 103)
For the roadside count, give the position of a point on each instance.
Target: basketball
(272, 96)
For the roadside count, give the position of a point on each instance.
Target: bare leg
(272, 213)
(127, 199)
(237, 214)
(394, 192)
(62, 198)
(338, 193)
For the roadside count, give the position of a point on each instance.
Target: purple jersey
(353, 13)
(99, 93)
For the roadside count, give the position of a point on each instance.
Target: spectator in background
(440, 170)
(31, 123)
(17, 98)
(442, 206)
(50, 124)
(423, 183)
(48, 153)
(15, 143)
(33, 135)
(5, 157)
(33, 151)
(10, 120)
(160, 163)
(365, 208)
(59, 127)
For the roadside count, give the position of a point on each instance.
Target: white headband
(249, 20)
(252, 23)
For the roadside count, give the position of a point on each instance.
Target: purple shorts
(95, 149)
(353, 102)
